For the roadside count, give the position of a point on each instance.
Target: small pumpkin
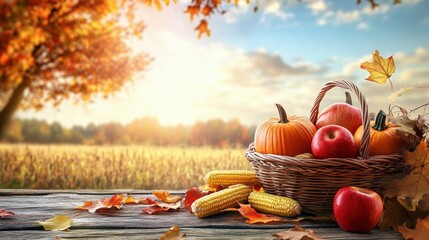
(383, 139)
(284, 135)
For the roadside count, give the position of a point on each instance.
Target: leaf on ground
(173, 234)
(203, 28)
(57, 223)
(297, 233)
(420, 232)
(191, 195)
(414, 186)
(156, 207)
(132, 200)
(380, 68)
(5, 214)
(116, 201)
(165, 196)
(254, 217)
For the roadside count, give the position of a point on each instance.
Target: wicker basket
(314, 182)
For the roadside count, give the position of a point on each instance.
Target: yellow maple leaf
(57, 223)
(380, 68)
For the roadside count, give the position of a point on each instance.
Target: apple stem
(282, 114)
(380, 121)
(348, 98)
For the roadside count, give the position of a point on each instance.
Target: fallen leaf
(395, 215)
(380, 69)
(116, 201)
(132, 200)
(410, 131)
(57, 223)
(156, 207)
(254, 217)
(165, 196)
(415, 185)
(5, 214)
(173, 234)
(191, 195)
(420, 232)
(297, 233)
(203, 28)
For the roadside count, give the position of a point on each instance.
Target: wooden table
(130, 223)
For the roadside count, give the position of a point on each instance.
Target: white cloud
(317, 6)
(363, 26)
(274, 8)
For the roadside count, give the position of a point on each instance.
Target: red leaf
(159, 207)
(191, 195)
(254, 217)
(5, 214)
(116, 201)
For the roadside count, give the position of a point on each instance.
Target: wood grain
(130, 223)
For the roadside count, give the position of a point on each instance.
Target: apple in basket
(357, 209)
(333, 141)
(343, 114)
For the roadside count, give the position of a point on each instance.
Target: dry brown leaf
(173, 234)
(420, 232)
(414, 186)
(297, 233)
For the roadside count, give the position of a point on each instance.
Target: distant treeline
(215, 132)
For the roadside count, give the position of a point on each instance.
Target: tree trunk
(12, 104)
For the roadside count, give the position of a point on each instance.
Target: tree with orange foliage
(55, 50)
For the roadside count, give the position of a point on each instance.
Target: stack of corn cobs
(240, 189)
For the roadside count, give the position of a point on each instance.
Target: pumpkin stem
(348, 98)
(282, 114)
(380, 121)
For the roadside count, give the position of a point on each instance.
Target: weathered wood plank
(129, 222)
(192, 233)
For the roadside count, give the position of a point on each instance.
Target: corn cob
(273, 204)
(230, 177)
(218, 201)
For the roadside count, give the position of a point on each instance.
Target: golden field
(112, 167)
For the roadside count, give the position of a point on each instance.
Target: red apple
(333, 141)
(343, 114)
(357, 209)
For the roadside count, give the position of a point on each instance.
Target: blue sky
(284, 53)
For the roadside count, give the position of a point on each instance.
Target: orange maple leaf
(165, 196)
(173, 234)
(203, 28)
(193, 10)
(116, 201)
(160, 207)
(412, 188)
(296, 233)
(420, 232)
(254, 217)
(131, 200)
(380, 69)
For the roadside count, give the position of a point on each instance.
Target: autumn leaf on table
(116, 201)
(254, 217)
(156, 207)
(57, 223)
(173, 234)
(420, 232)
(5, 214)
(165, 196)
(132, 200)
(297, 233)
(412, 188)
(191, 195)
(380, 68)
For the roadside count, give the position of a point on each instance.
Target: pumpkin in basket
(286, 135)
(383, 139)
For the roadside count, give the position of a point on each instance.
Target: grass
(112, 167)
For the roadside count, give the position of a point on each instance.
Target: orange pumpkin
(383, 139)
(287, 135)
